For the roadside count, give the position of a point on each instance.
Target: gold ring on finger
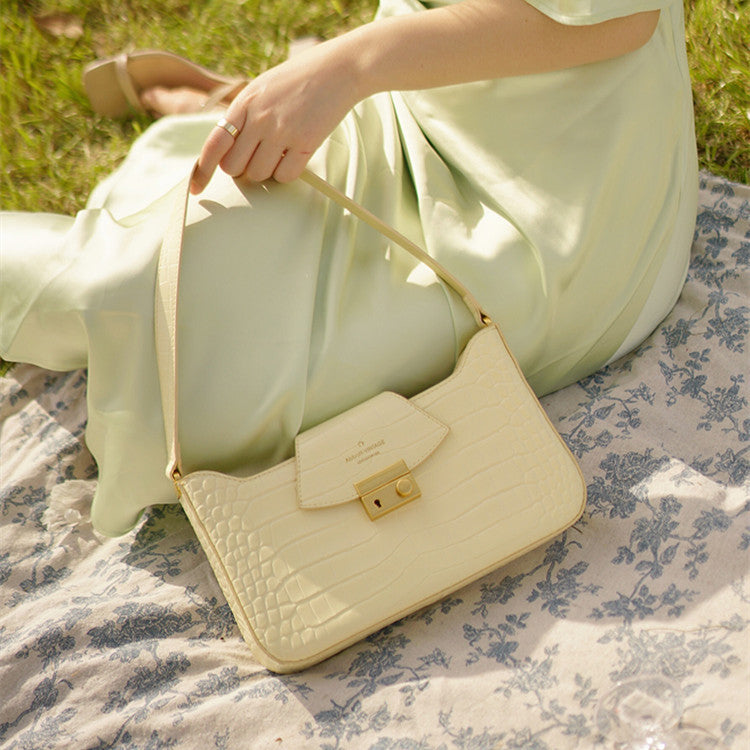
(233, 130)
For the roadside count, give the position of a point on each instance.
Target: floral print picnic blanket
(128, 642)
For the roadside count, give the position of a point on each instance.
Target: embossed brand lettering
(365, 451)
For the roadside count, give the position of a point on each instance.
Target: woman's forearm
(476, 40)
(283, 116)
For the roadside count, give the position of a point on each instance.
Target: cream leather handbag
(384, 508)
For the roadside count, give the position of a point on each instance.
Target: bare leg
(164, 101)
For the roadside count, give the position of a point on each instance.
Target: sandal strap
(126, 83)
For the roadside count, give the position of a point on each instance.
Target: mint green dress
(565, 201)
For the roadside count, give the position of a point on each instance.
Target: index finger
(220, 140)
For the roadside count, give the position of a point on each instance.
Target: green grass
(53, 149)
(718, 42)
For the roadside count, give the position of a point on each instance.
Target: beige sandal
(113, 85)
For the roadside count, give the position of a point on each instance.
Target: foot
(181, 100)
(177, 101)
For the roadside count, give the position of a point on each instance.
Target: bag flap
(359, 443)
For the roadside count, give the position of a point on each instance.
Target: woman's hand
(285, 114)
(282, 116)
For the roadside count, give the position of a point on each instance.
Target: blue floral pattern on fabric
(128, 643)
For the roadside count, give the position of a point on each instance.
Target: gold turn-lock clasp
(387, 490)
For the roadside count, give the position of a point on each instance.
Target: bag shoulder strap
(167, 288)
(481, 318)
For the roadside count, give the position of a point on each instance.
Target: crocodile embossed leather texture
(305, 582)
